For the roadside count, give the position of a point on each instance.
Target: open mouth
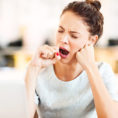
(63, 52)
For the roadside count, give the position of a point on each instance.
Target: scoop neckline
(77, 78)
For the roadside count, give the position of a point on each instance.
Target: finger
(80, 50)
(48, 62)
(56, 48)
(78, 54)
(50, 55)
(47, 54)
(57, 56)
(90, 44)
(55, 52)
(84, 46)
(43, 55)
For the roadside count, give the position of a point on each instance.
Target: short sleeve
(109, 79)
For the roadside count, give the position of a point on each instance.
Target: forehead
(72, 21)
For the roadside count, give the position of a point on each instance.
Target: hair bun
(95, 3)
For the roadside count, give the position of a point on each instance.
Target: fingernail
(59, 57)
(57, 54)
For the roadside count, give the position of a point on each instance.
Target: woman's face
(71, 36)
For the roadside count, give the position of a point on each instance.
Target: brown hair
(89, 10)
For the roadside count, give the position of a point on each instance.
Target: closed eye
(60, 31)
(74, 36)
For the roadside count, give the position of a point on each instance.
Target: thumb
(57, 57)
(77, 55)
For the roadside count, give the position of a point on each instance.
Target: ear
(93, 40)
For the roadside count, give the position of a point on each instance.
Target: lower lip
(63, 56)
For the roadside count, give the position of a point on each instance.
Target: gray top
(72, 99)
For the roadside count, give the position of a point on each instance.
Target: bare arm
(105, 106)
(45, 56)
(30, 81)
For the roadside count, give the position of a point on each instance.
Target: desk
(13, 99)
(13, 75)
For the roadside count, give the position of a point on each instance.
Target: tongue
(64, 52)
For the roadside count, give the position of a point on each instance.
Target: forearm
(103, 101)
(30, 81)
(44, 56)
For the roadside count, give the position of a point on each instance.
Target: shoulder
(106, 72)
(105, 68)
(102, 65)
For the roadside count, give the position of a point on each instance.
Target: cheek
(57, 38)
(75, 46)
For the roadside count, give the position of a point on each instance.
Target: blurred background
(27, 24)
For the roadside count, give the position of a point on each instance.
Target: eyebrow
(61, 27)
(70, 31)
(74, 32)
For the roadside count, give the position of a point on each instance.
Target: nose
(65, 39)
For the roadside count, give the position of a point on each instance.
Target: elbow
(35, 115)
(111, 113)
(33, 112)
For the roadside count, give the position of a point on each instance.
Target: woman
(66, 78)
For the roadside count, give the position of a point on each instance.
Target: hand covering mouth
(63, 51)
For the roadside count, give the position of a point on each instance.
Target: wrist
(33, 72)
(90, 66)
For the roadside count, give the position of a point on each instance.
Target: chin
(66, 61)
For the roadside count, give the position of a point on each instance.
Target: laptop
(13, 98)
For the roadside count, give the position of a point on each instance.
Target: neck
(67, 72)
